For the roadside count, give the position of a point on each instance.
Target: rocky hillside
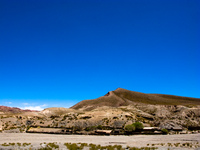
(164, 111)
(113, 112)
(123, 97)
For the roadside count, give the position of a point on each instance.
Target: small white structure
(107, 132)
(150, 128)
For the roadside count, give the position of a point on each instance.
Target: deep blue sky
(57, 53)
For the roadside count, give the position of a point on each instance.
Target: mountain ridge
(123, 97)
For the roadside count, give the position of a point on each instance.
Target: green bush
(5, 144)
(138, 125)
(73, 146)
(165, 131)
(129, 128)
(13, 144)
(99, 127)
(26, 144)
(118, 147)
(52, 145)
(91, 128)
(19, 144)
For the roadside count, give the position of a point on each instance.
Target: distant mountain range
(123, 97)
(14, 110)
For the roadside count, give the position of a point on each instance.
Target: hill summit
(123, 97)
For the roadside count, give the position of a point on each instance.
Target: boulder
(170, 126)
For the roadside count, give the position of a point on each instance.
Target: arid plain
(160, 141)
(119, 118)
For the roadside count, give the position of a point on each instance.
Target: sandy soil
(133, 141)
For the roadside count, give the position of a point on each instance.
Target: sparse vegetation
(129, 128)
(90, 128)
(185, 145)
(165, 131)
(73, 146)
(19, 144)
(65, 117)
(80, 146)
(138, 125)
(53, 145)
(26, 144)
(5, 144)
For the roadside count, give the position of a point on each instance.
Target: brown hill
(123, 97)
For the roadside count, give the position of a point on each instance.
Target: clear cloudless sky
(55, 53)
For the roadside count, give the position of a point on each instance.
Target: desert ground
(159, 141)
